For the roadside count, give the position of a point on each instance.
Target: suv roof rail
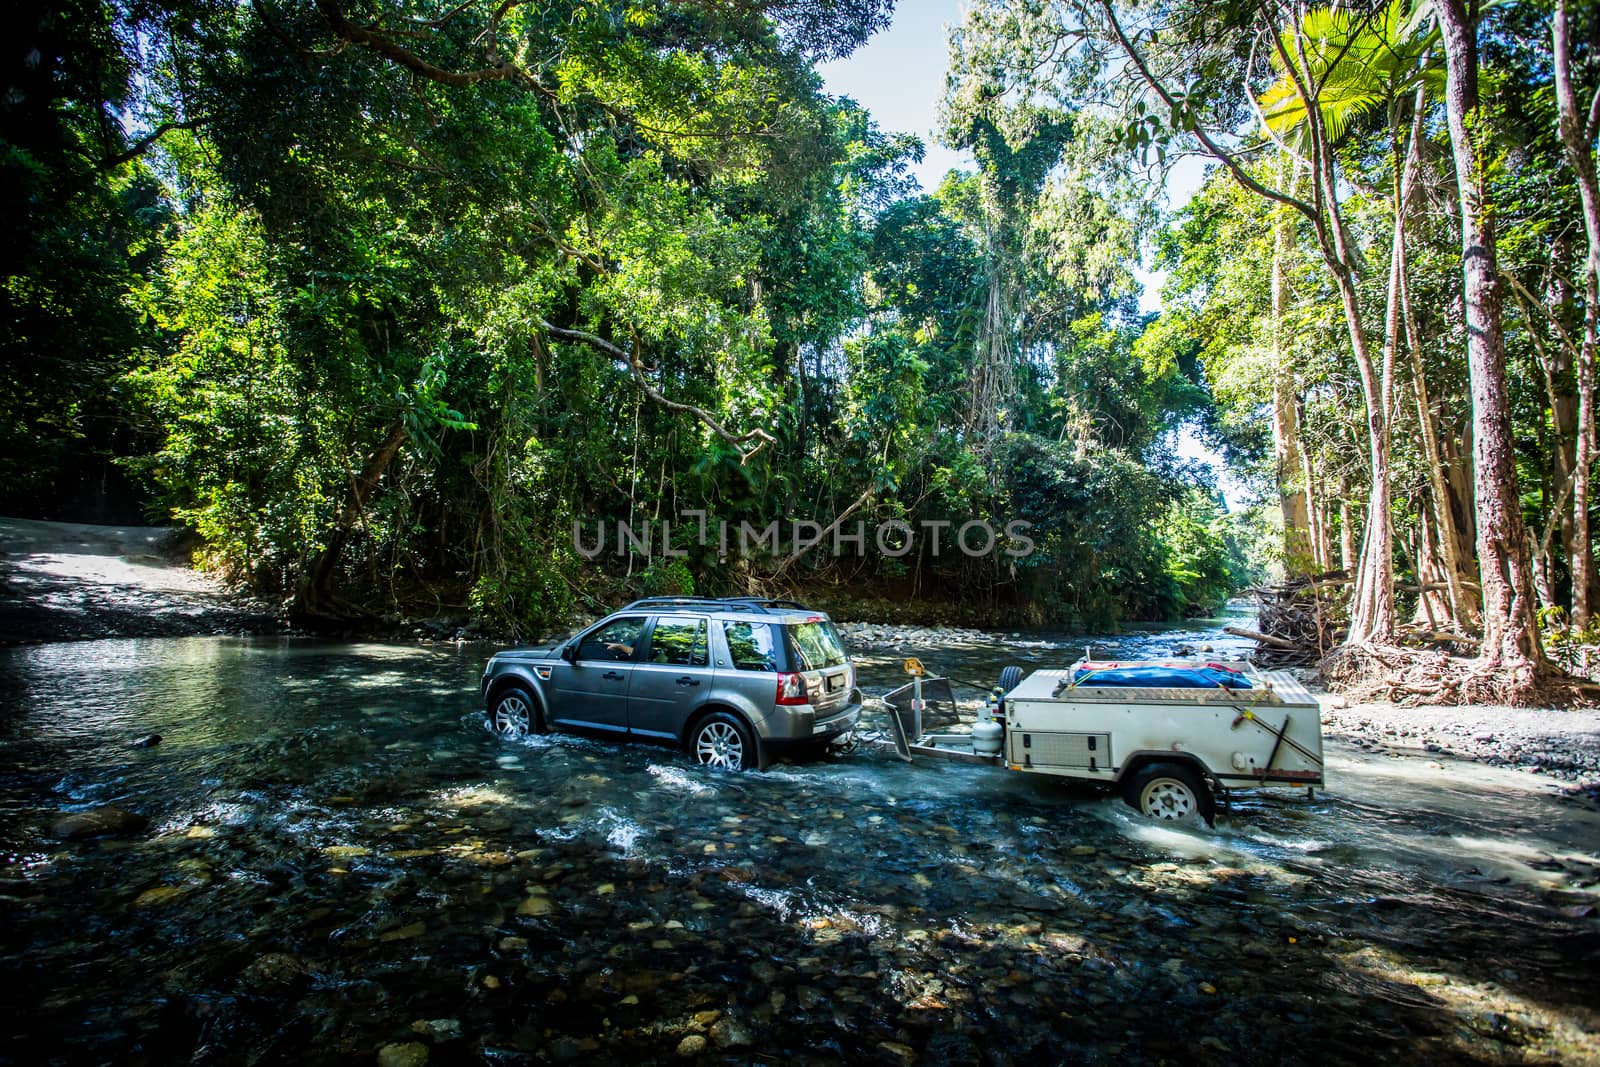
(711, 603)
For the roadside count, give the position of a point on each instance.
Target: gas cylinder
(986, 737)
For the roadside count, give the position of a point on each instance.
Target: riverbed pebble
(1561, 744)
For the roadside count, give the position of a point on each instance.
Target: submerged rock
(438, 1029)
(407, 1054)
(898, 1053)
(728, 1032)
(273, 970)
(534, 906)
(98, 822)
(147, 741)
(161, 894)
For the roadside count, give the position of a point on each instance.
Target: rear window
(679, 642)
(751, 645)
(815, 645)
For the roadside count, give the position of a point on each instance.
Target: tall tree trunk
(1321, 553)
(1510, 634)
(1347, 528)
(1463, 605)
(1463, 613)
(1372, 604)
(315, 595)
(1575, 137)
(993, 373)
(1292, 486)
(1431, 605)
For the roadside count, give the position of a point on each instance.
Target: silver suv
(732, 680)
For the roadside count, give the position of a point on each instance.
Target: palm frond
(1353, 65)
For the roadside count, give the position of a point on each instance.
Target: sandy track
(69, 581)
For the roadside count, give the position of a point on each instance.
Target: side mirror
(569, 652)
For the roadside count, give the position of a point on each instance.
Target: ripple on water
(622, 833)
(780, 902)
(678, 780)
(216, 813)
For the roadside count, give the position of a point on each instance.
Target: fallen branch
(826, 531)
(1265, 639)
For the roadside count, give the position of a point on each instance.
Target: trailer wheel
(1171, 792)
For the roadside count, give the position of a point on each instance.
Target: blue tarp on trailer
(1162, 677)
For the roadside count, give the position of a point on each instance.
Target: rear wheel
(723, 742)
(1172, 792)
(514, 713)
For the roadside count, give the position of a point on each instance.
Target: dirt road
(68, 581)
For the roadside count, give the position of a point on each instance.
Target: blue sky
(899, 76)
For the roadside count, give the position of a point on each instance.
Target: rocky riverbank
(1555, 743)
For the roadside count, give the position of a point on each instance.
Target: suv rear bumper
(802, 725)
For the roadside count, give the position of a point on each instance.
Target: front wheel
(1171, 792)
(514, 713)
(721, 741)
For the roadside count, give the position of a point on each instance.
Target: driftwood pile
(1301, 620)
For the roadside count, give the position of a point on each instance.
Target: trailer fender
(1131, 765)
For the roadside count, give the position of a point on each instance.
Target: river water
(344, 864)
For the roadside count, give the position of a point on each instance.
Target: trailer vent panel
(1091, 751)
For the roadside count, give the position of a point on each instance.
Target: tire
(722, 742)
(1010, 678)
(1171, 792)
(514, 713)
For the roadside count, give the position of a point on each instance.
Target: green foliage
(78, 231)
(531, 597)
(1573, 649)
(1099, 521)
(1209, 552)
(239, 455)
(667, 577)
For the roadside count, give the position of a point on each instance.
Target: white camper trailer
(1199, 728)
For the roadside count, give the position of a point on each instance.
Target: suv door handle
(686, 680)
(615, 676)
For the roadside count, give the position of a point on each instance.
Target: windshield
(815, 645)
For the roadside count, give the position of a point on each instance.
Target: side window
(751, 645)
(614, 641)
(681, 642)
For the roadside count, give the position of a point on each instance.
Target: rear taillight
(791, 689)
